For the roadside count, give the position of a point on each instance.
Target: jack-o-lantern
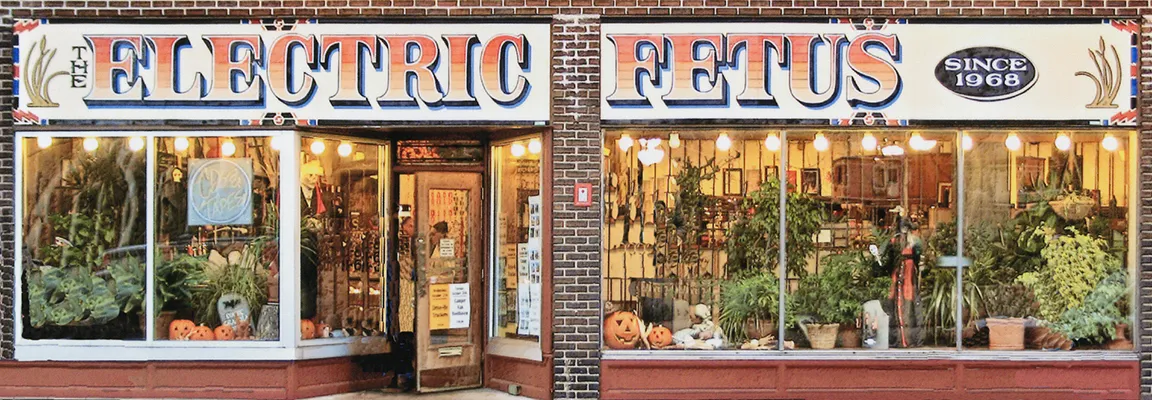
(307, 329)
(660, 337)
(180, 329)
(622, 330)
(224, 332)
(202, 333)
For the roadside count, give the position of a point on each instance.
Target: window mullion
(150, 241)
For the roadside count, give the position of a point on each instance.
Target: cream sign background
(885, 72)
(299, 70)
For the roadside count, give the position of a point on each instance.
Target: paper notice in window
(438, 307)
(460, 306)
(447, 248)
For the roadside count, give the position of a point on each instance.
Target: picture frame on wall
(792, 175)
(770, 172)
(944, 195)
(733, 182)
(810, 181)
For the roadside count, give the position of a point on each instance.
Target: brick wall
(6, 180)
(576, 230)
(1145, 310)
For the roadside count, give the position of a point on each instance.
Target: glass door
(449, 263)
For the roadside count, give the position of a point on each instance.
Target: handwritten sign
(220, 191)
(438, 306)
(460, 306)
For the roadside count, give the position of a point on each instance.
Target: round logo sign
(986, 73)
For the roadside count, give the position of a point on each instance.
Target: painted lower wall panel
(171, 379)
(879, 379)
(534, 377)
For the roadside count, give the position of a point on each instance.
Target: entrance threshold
(391, 394)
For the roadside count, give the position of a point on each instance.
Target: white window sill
(869, 355)
(123, 350)
(515, 348)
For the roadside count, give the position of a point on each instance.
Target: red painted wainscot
(184, 379)
(869, 379)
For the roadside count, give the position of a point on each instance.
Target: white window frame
(287, 347)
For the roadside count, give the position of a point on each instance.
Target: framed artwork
(944, 195)
(770, 172)
(810, 181)
(733, 182)
(791, 180)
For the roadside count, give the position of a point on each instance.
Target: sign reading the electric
(875, 72)
(280, 72)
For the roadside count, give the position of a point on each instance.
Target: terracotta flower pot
(1121, 341)
(849, 337)
(1005, 333)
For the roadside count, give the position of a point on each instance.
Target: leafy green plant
(248, 278)
(1008, 300)
(1096, 318)
(176, 279)
(753, 240)
(750, 297)
(837, 294)
(75, 295)
(1073, 265)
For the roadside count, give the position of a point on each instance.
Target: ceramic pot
(849, 337)
(1121, 341)
(1005, 333)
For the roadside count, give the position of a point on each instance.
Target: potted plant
(1006, 307)
(1101, 318)
(244, 277)
(749, 306)
(835, 297)
(753, 239)
(1073, 206)
(176, 279)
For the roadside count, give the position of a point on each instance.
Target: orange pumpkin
(202, 333)
(622, 331)
(660, 337)
(180, 329)
(224, 332)
(307, 329)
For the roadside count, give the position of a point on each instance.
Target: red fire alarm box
(583, 194)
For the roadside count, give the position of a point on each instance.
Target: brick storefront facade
(576, 134)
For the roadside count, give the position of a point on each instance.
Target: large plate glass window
(517, 254)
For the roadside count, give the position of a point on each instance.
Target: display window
(342, 279)
(869, 252)
(517, 293)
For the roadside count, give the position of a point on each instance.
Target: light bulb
(869, 141)
(1110, 143)
(517, 150)
(227, 149)
(674, 140)
(772, 142)
(136, 143)
(317, 147)
(917, 142)
(820, 142)
(344, 149)
(181, 144)
(44, 141)
(1063, 142)
(90, 144)
(276, 143)
(966, 142)
(892, 150)
(534, 146)
(723, 143)
(1012, 142)
(625, 142)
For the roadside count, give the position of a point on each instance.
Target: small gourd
(224, 332)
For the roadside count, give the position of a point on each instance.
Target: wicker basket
(1073, 209)
(822, 336)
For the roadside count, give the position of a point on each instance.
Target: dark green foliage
(753, 240)
(838, 293)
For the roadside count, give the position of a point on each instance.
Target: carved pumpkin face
(660, 337)
(224, 332)
(180, 329)
(202, 333)
(307, 329)
(622, 331)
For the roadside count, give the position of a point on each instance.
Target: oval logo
(986, 73)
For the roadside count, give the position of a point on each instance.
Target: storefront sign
(874, 72)
(300, 71)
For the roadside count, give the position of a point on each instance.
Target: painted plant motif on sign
(220, 191)
(37, 77)
(1107, 78)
